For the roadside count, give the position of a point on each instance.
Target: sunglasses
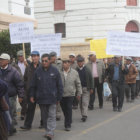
(45, 61)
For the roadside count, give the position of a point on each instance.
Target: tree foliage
(11, 49)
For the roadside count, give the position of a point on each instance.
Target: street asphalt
(102, 124)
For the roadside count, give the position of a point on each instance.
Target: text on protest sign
(46, 43)
(21, 32)
(123, 43)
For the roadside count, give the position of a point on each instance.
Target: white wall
(4, 6)
(85, 18)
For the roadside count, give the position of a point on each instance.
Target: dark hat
(34, 53)
(117, 56)
(53, 54)
(80, 59)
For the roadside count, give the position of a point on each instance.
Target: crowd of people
(60, 86)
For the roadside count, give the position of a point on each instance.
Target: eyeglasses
(44, 61)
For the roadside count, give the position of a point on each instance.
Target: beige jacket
(71, 84)
(100, 69)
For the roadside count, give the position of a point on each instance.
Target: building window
(131, 27)
(60, 28)
(59, 5)
(131, 2)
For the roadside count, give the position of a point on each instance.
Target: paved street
(101, 125)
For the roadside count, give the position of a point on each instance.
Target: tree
(11, 49)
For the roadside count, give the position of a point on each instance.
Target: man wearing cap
(14, 81)
(71, 83)
(87, 86)
(58, 64)
(137, 65)
(72, 59)
(97, 68)
(46, 90)
(21, 62)
(22, 65)
(130, 80)
(29, 71)
(54, 61)
(116, 76)
(73, 64)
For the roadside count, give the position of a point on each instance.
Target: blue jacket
(46, 86)
(14, 81)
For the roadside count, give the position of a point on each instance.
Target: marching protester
(97, 68)
(115, 75)
(22, 64)
(29, 71)
(58, 64)
(130, 80)
(73, 64)
(54, 61)
(71, 83)
(87, 86)
(137, 65)
(46, 90)
(15, 85)
(3, 106)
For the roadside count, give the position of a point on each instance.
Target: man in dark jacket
(13, 79)
(47, 90)
(29, 71)
(115, 74)
(3, 127)
(87, 86)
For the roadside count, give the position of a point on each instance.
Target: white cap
(129, 58)
(5, 56)
(92, 53)
(72, 54)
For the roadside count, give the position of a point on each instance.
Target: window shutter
(59, 5)
(132, 2)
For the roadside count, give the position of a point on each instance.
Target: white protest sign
(123, 43)
(46, 43)
(21, 32)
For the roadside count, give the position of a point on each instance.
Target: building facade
(80, 20)
(16, 11)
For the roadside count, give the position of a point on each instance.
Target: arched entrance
(131, 27)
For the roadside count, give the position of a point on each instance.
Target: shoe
(119, 109)
(67, 129)
(132, 101)
(15, 123)
(90, 107)
(75, 107)
(114, 109)
(25, 127)
(22, 118)
(128, 100)
(84, 118)
(49, 137)
(12, 132)
(41, 127)
(101, 107)
(58, 119)
(137, 97)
